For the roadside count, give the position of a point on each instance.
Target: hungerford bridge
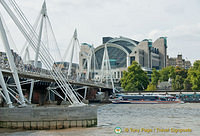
(34, 36)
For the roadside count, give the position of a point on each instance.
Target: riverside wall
(39, 118)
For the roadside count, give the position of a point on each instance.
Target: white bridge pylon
(5, 93)
(42, 23)
(43, 14)
(33, 38)
(106, 72)
(72, 49)
(12, 67)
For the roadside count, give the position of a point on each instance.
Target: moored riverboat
(145, 99)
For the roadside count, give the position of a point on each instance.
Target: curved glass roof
(125, 43)
(117, 57)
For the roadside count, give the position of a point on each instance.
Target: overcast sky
(179, 20)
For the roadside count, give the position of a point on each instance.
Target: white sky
(179, 20)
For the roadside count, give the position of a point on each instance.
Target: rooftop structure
(178, 61)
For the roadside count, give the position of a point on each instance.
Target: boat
(144, 99)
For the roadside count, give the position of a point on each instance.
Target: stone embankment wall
(48, 117)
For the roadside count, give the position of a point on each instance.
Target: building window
(84, 64)
(132, 59)
(113, 62)
(118, 74)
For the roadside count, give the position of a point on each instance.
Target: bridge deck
(48, 78)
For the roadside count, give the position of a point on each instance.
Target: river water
(134, 119)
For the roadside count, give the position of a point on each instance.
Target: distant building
(178, 61)
(83, 58)
(17, 59)
(187, 64)
(165, 85)
(122, 52)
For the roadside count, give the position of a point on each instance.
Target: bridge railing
(29, 69)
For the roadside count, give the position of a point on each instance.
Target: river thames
(133, 119)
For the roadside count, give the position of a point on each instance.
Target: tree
(177, 83)
(135, 78)
(154, 80)
(155, 77)
(180, 77)
(194, 75)
(177, 74)
(187, 85)
(172, 73)
(151, 87)
(196, 65)
(181, 72)
(166, 73)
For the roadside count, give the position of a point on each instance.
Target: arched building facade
(123, 51)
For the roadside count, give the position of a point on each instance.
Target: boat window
(162, 99)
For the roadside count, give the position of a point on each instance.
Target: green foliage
(196, 65)
(151, 87)
(155, 77)
(154, 80)
(181, 72)
(180, 76)
(177, 83)
(194, 75)
(177, 74)
(165, 73)
(135, 78)
(172, 73)
(187, 85)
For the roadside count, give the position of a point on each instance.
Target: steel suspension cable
(54, 71)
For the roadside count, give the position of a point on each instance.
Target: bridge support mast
(89, 59)
(38, 48)
(71, 57)
(106, 68)
(5, 90)
(11, 62)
